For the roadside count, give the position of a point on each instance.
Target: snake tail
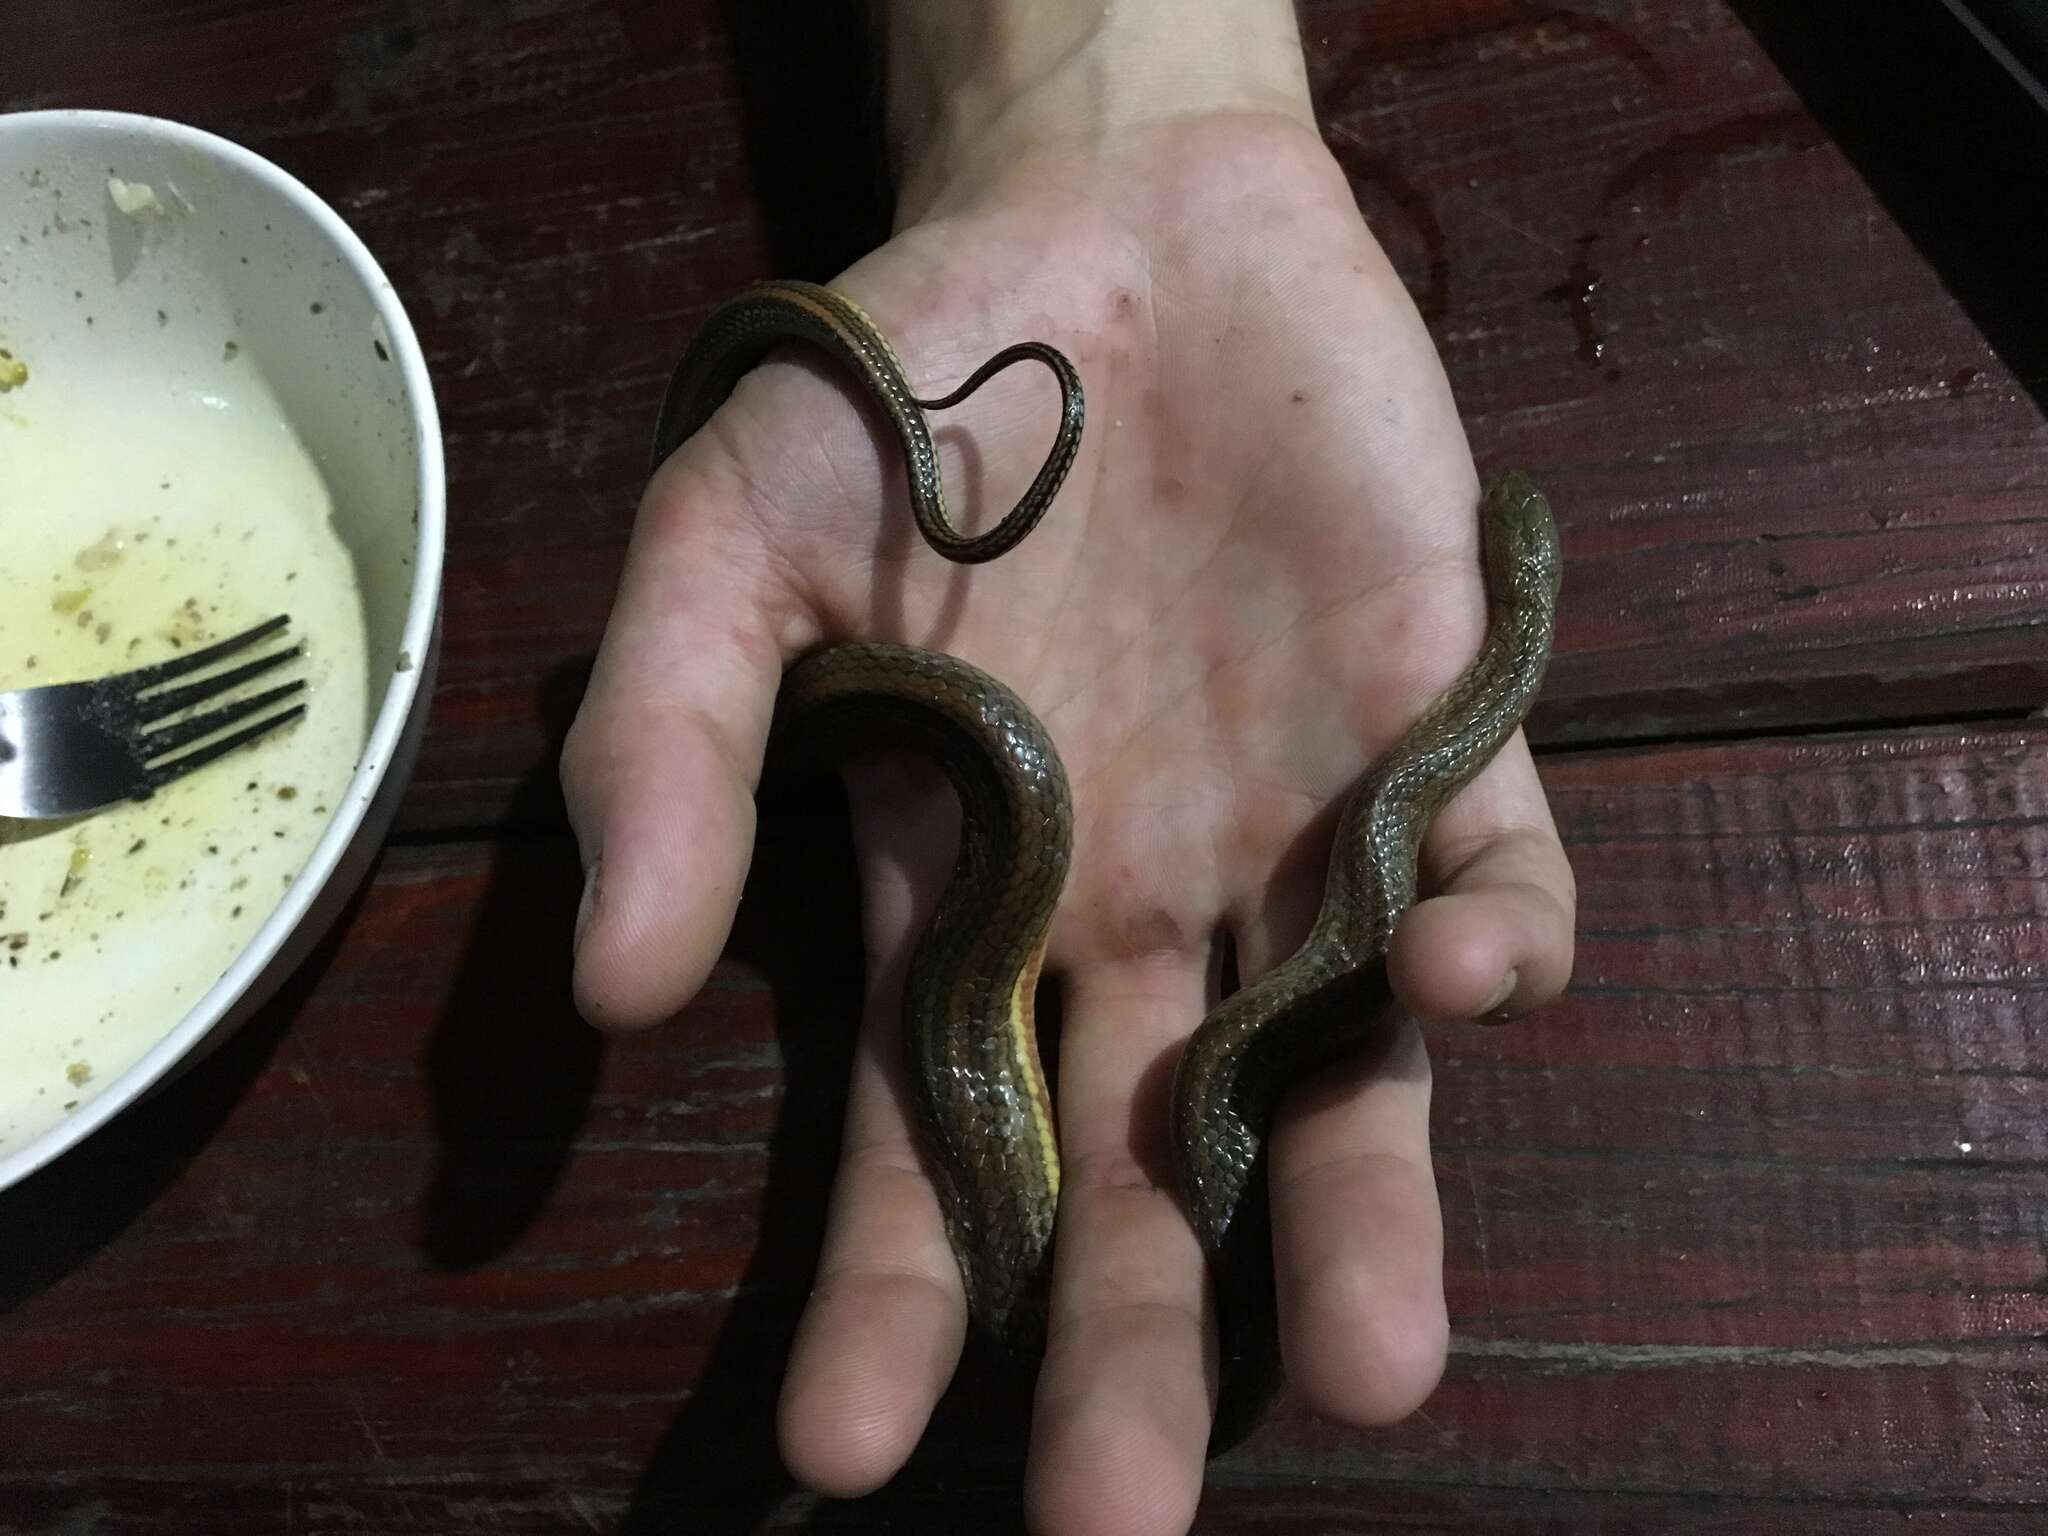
(744, 330)
(978, 1090)
(1325, 1003)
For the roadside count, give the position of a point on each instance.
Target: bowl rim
(401, 692)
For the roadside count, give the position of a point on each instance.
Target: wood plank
(1744, 1235)
(1798, 485)
(310, 1501)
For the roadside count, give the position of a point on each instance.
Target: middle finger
(1121, 1421)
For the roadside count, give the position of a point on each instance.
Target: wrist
(978, 87)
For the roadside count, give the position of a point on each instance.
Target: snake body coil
(975, 1077)
(1323, 1003)
(768, 315)
(976, 1084)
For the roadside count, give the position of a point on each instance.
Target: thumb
(660, 768)
(1496, 939)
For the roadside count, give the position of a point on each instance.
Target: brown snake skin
(1326, 1001)
(976, 1084)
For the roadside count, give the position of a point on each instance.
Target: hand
(1262, 566)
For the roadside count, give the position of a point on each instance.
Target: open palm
(1264, 562)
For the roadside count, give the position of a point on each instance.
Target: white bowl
(230, 285)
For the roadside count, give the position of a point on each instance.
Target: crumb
(74, 872)
(104, 553)
(133, 197)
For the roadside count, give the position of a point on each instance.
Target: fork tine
(178, 767)
(162, 672)
(174, 738)
(169, 702)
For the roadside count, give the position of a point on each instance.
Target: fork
(69, 748)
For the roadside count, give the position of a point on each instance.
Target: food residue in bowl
(13, 371)
(144, 515)
(133, 197)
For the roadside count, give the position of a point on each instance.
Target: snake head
(1521, 538)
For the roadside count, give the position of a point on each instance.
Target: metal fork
(70, 748)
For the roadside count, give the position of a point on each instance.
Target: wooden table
(1749, 1234)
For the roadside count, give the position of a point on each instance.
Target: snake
(976, 1081)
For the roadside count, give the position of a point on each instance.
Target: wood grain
(1745, 1235)
(1798, 485)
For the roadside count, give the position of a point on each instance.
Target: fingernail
(1501, 994)
(587, 907)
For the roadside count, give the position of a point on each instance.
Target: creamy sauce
(140, 517)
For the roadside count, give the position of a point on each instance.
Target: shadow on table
(511, 1067)
(812, 98)
(1946, 139)
(58, 1218)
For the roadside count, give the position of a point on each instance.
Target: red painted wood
(1744, 1235)
(1797, 485)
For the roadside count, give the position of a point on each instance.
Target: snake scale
(977, 1087)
